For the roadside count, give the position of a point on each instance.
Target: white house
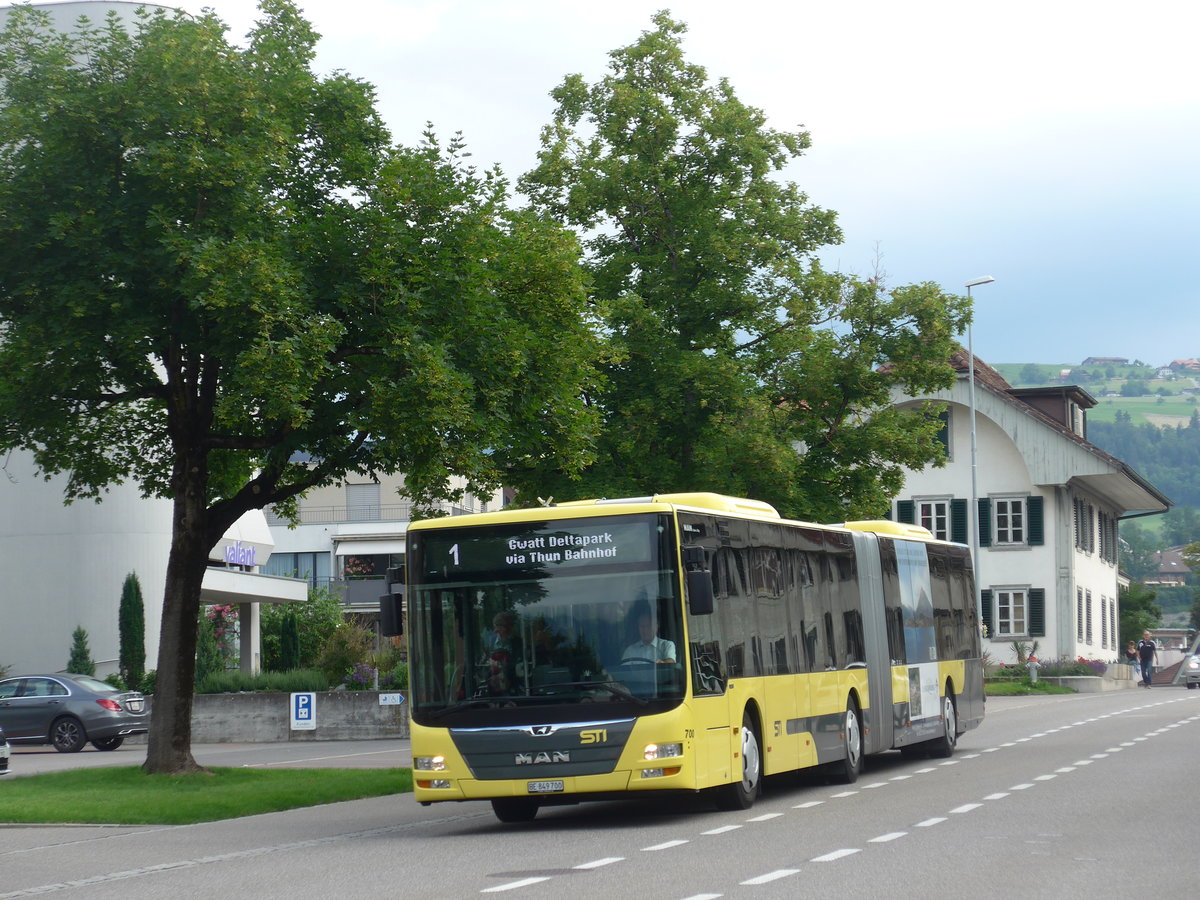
(1047, 505)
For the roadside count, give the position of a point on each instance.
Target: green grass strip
(128, 796)
(1021, 688)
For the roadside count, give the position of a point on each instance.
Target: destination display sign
(537, 549)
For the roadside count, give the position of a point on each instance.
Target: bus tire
(943, 746)
(514, 810)
(741, 794)
(848, 768)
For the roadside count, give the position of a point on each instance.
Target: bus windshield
(550, 613)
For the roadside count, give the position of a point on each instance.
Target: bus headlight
(663, 751)
(429, 763)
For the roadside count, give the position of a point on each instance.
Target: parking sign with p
(304, 711)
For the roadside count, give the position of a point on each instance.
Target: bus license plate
(545, 787)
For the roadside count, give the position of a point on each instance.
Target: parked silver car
(1191, 671)
(68, 711)
(3, 753)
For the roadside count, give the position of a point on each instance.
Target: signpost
(304, 711)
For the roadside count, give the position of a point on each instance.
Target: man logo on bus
(542, 757)
(541, 730)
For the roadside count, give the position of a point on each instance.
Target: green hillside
(1135, 389)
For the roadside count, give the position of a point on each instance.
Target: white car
(1191, 671)
(4, 752)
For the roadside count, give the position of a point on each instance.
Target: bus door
(710, 706)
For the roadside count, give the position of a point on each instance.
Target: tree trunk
(170, 749)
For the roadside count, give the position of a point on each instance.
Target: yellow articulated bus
(680, 642)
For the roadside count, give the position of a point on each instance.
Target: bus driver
(649, 646)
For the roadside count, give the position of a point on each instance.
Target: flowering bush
(225, 629)
(357, 568)
(1067, 666)
(361, 678)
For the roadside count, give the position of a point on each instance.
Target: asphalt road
(1079, 796)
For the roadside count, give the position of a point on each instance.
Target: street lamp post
(973, 515)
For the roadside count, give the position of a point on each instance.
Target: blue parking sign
(304, 711)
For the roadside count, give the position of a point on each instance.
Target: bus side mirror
(698, 581)
(700, 593)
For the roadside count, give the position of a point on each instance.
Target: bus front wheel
(742, 794)
(515, 809)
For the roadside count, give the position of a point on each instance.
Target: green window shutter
(985, 522)
(1037, 531)
(1037, 612)
(906, 511)
(958, 522)
(985, 600)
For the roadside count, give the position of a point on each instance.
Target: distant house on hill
(1105, 361)
(1185, 365)
(1170, 569)
(1044, 524)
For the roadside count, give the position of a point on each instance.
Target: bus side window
(707, 677)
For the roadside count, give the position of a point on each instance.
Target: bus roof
(698, 499)
(892, 529)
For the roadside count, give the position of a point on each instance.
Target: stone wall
(266, 718)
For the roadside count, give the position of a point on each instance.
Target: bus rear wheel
(514, 809)
(742, 794)
(943, 746)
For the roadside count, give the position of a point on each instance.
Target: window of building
(313, 567)
(1079, 614)
(362, 502)
(944, 433)
(935, 515)
(1087, 606)
(1009, 520)
(1011, 618)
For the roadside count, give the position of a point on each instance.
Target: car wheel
(67, 735)
(111, 743)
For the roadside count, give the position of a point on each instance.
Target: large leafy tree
(219, 280)
(730, 348)
(1139, 611)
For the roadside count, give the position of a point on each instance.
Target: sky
(1049, 144)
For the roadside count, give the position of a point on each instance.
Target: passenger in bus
(649, 646)
(502, 657)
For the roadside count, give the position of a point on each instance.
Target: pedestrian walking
(1147, 652)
